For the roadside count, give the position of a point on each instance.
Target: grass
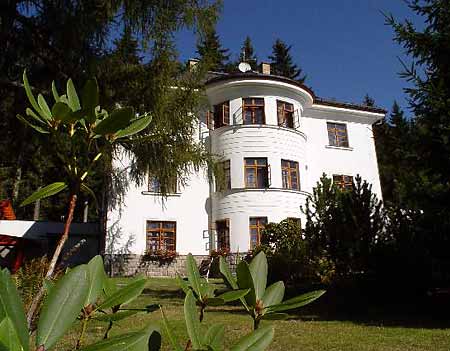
(306, 332)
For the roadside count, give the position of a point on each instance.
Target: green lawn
(299, 333)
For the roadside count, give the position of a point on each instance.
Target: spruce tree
(211, 52)
(282, 62)
(248, 54)
(368, 101)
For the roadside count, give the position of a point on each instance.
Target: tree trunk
(52, 265)
(37, 210)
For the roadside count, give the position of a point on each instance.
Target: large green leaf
(96, 276)
(116, 121)
(172, 339)
(89, 98)
(109, 286)
(35, 127)
(44, 107)
(128, 342)
(55, 92)
(9, 340)
(225, 270)
(32, 114)
(135, 127)
(194, 276)
(62, 306)
(61, 112)
(192, 321)
(296, 302)
(184, 285)
(258, 269)
(72, 96)
(214, 337)
(245, 281)
(11, 307)
(233, 295)
(258, 340)
(124, 295)
(30, 95)
(274, 294)
(44, 192)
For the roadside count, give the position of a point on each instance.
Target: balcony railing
(238, 119)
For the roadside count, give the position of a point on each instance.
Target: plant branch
(35, 303)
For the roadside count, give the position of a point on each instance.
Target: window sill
(159, 194)
(348, 148)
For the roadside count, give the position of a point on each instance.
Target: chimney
(192, 62)
(265, 68)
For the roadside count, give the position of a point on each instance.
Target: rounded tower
(256, 133)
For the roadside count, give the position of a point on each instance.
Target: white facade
(198, 206)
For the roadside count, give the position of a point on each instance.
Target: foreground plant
(204, 292)
(82, 132)
(83, 293)
(261, 302)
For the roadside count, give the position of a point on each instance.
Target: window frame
(161, 230)
(258, 227)
(156, 189)
(253, 106)
(343, 184)
(289, 171)
(257, 168)
(221, 114)
(225, 245)
(336, 139)
(283, 112)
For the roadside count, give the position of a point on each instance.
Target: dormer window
(253, 111)
(285, 112)
(337, 134)
(222, 114)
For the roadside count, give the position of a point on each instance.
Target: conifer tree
(248, 54)
(282, 63)
(429, 96)
(211, 52)
(368, 101)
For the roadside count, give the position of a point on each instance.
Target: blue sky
(342, 45)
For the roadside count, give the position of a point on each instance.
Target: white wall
(189, 209)
(359, 158)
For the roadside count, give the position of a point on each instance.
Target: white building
(276, 139)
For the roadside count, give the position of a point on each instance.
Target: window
(289, 175)
(253, 111)
(223, 234)
(161, 235)
(344, 182)
(154, 185)
(224, 181)
(256, 173)
(337, 134)
(222, 114)
(285, 112)
(257, 224)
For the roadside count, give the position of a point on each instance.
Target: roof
(216, 77)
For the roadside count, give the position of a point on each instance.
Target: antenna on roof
(244, 67)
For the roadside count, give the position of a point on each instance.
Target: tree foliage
(57, 39)
(344, 224)
(282, 63)
(248, 54)
(212, 54)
